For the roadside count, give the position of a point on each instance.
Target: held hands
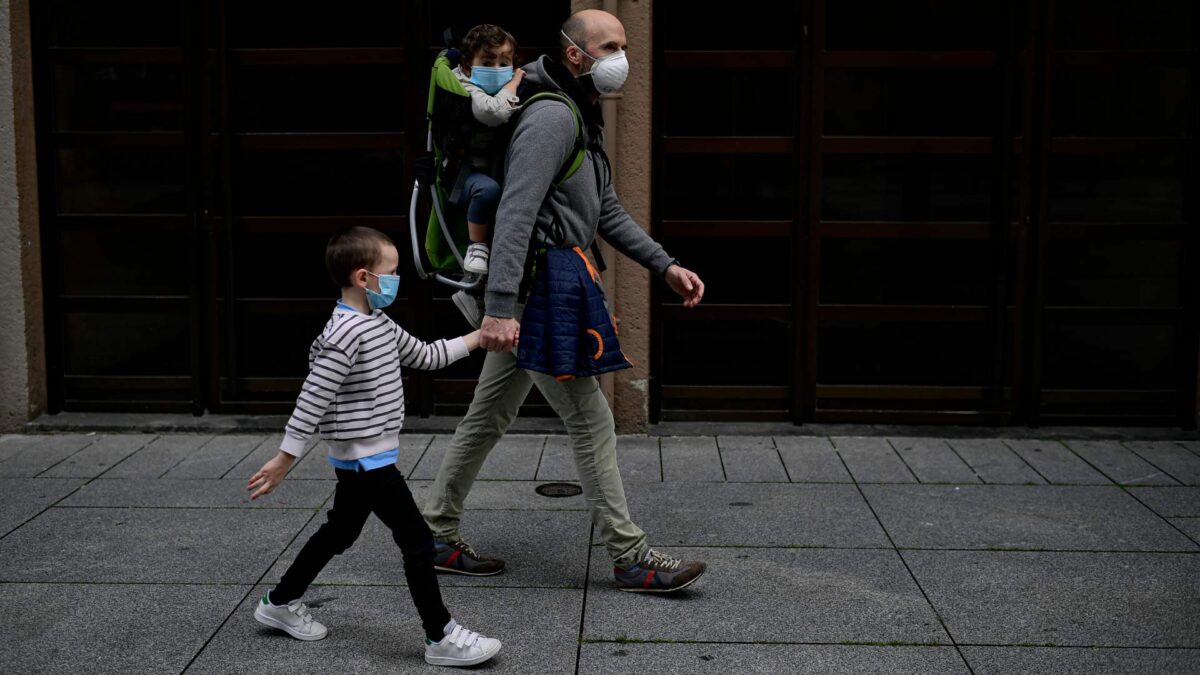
(266, 479)
(499, 335)
(686, 283)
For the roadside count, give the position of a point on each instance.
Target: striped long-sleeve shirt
(353, 393)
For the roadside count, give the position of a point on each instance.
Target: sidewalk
(141, 553)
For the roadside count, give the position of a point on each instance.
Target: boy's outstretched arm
(330, 366)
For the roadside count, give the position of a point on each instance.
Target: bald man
(592, 63)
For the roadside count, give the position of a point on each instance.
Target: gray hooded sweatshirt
(541, 143)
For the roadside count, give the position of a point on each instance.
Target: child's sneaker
(658, 573)
(460, 558)
(476, 261)
(460, 647)
(292, 618)
(470, 307)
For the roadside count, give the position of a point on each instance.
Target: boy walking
(354, 397)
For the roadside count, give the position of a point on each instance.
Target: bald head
(593, 31)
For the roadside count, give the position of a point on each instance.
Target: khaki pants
(501, 390)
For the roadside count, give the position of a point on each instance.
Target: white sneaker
(460, 647)
(292, 618)
(476, 261)
(470, 307)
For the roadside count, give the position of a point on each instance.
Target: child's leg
(481, 213)
(393, 504)
(351, 506)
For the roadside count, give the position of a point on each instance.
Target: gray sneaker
(459, 558)
(470, 307)
(658, 573)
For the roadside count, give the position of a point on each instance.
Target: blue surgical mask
(389, 284)
(491, 80)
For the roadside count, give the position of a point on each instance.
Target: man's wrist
(674, 262)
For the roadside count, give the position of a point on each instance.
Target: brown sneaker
(459, 558)
(658, 573)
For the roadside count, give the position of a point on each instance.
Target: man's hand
(686, 284)
(499, 335)
(266, 479)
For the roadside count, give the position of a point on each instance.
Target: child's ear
(359, 278)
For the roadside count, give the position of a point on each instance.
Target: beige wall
(22, 348)
(628, 282)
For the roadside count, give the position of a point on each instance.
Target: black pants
(384, 493)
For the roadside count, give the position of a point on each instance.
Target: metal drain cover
(558, 489)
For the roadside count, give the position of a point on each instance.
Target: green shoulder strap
(576, 160)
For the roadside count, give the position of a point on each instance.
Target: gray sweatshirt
(542, 141)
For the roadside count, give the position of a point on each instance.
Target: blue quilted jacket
(566, 330)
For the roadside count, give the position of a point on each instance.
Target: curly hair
(484, 37)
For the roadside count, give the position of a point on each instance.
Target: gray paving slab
(37, 453)
(125, 545)
(750, 514)
(217, 457)
(1056, 463)
(412, 448)
(23, 498)
(1189, 526)
(637, 458)
(98, 457)
(1170, 502)
(1074, 599)
(431, 460)
(691, 458)
(558, 462)
(1077, 661)
(873, 460)
(781, 595)
(811, 460)
(159, 456)
(105, 628)
(515, 457)
(541, 549)
(254, 461)
(11, 444)
(640, 459)
(1046, 517)
(500, 495)
(611, 658)
(376, 630)
(1118, 463)
(198, 493)
(751, 459)
(995, 462)
(1182, 464)
(933, 460)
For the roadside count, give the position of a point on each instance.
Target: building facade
(921, 212)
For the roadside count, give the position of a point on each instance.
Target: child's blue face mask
(491, 80)
(389, 284)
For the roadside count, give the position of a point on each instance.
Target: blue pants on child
(485, 198)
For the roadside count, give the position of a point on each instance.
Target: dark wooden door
(195, 155)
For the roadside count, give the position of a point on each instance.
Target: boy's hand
(515, 82)
(266, 479)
